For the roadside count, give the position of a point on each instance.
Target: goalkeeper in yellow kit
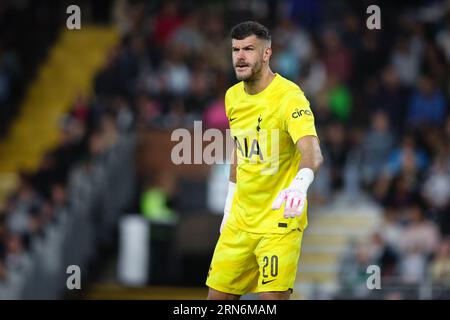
(275, 155)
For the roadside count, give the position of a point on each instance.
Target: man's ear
(267, 54)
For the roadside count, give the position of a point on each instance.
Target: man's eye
(249, 49)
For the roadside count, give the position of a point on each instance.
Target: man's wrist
(303, 179)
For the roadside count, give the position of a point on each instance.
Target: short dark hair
(248, 28)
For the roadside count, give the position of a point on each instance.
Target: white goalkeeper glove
(228, 203)
(295, 194)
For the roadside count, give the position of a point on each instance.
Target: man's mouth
(241, 66)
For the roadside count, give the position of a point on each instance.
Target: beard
(251, 74)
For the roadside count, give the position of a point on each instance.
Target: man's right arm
(231, 188)
(233, 165)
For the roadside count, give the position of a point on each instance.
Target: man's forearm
(311, 156)
(231, 190)
(295, 195)
(312, 161)
(233, 166)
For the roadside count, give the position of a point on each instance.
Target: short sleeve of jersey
(297, 117)
(227, 103)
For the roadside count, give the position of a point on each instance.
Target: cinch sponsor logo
(298, 113)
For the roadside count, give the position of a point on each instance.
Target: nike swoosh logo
(231, 119)
(265, 282)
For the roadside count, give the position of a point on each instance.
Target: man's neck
(258, 85)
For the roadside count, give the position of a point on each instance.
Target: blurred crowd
(380, 99)
(86, 133)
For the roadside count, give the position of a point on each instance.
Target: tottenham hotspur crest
(259, 122)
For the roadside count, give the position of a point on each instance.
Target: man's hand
(295, 202)
(295, 195)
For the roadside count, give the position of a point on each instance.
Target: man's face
(249, 54)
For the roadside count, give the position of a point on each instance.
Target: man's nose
(240, 55)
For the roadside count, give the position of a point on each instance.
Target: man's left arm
(298, 121)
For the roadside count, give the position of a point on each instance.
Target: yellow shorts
(246, 262)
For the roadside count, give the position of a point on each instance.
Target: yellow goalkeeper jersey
(265, 127)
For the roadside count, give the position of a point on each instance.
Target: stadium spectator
(337, 58)
(443, 38)
(440, 266)
(335, 153)
(427, 105)
(353, 271)
(391, 98)
(436, 193)
(406, 58)
(378, 143)
(420, 235)
(390, 229)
